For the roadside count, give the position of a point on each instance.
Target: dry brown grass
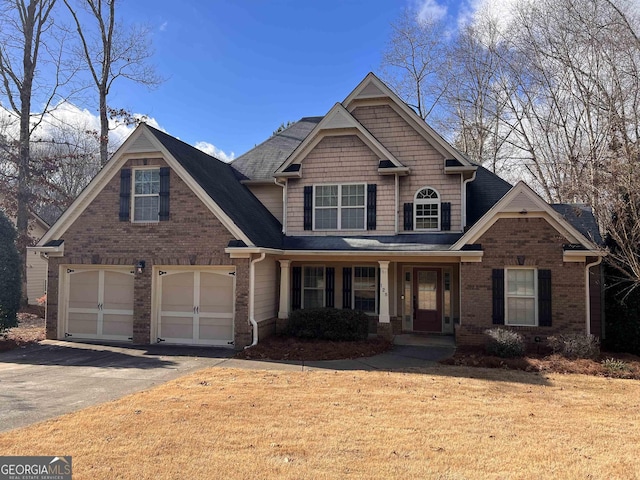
(444, 422)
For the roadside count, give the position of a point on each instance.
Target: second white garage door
(195, 306)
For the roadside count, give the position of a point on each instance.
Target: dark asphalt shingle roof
(483, 193)
(581, 218)
(262, 161)
(219, 180)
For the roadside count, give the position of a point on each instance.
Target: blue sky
(235, 70)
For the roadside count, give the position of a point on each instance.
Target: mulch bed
(287, 348)
(550, 363)
(30, 329)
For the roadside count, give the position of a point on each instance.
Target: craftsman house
(365, 208)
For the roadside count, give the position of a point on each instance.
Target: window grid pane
(521, 297)
(147, 182)
(146, 209)
(364, 289)
(339, 207)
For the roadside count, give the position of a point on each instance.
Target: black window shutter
(296, 288)
(544, 298)
(445, 216)
(329, 287)
(408, 216)
(346, 287)
(371, 206)
(164, 193)
(125, 194)
(308, 207)
(498, 296)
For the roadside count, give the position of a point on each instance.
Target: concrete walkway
(52, 378)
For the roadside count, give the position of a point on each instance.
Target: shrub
(614, 365)
(575, 345)
(328, 324)
(10, 284)
(504, 343)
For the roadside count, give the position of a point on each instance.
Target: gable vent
(522, 202)
(142, 144)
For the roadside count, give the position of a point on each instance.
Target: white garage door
(196, 306)
(100, 303)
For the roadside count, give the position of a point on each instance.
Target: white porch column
(285, 288)
(384, 292)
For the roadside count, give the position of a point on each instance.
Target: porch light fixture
(140, 266)
(520, 259)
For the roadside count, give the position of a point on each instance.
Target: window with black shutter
(497, 280)
(125, 194)
(308, 207)
(164, 193)
(296, 288)
(544, 298)
(329, 287)
(372, 189)
(346, 287)
(408, 216)
(445, 216)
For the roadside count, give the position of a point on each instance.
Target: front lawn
(443, 422)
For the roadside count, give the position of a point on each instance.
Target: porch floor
(424, 340)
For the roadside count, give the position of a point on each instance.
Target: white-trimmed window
(365, 288)
(339, 207)
(426, 209)
(146, 195)
(521, 288)
(313, 287)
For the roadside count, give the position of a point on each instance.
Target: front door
(427, 300)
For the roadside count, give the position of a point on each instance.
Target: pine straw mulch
(550, 363)
(288, 348)
(30, 329)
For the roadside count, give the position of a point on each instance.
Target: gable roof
(218, 179)
(213, 182)
(261, 162)
(522, 200)
(338, 119)
(371, 87)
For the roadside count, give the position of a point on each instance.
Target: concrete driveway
(52, 378)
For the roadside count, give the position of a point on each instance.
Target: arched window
(426, 209)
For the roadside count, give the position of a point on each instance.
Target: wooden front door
(427, 300)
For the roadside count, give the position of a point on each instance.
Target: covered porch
(401, 294)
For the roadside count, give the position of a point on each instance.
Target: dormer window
(427, 209)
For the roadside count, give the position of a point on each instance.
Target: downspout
(464, 199)
(284, 203)
(252, 299)
(397, 202)
(588, 291)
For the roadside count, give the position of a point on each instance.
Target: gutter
(464, 198)
(252, 298)
(588, 292)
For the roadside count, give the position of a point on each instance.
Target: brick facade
(191, 236)
(541, 246)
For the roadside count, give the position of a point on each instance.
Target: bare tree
(30, 69)
(110, 51)
(413, 60)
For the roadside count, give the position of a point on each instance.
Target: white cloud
(164, 26)
(431, 10)
(214, 151)
(500, 11)
(68, 116)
